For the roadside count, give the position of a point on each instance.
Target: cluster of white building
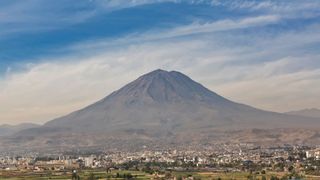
(313, 154)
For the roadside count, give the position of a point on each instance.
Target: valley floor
(101, 174)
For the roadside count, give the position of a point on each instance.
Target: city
(220, 161)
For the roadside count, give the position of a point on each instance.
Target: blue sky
(51, 49)
(44, 28)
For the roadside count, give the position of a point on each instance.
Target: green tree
(291, 168)
(91, 177)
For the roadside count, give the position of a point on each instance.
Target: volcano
(167, 105)
(171, 101)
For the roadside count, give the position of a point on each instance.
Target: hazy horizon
(58, 57)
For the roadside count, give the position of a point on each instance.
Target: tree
(91, 177)
(168, 175)
(128, 176)
(291, 168)
(274, 178)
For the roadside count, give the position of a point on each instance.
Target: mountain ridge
(7, 129)
(308, 112)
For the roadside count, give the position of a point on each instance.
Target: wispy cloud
(180, 31)
(37, 15)
(119, 4)
(223, 25)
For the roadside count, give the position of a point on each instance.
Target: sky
(59, 56)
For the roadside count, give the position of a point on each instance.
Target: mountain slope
(315, 113)
(6, 129)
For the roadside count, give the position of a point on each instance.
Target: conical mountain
(163, 101)
(164, 108)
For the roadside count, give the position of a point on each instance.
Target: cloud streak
(31, 16)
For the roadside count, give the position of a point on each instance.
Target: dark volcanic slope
(170, 102)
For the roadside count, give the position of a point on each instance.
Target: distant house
(313, 154)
